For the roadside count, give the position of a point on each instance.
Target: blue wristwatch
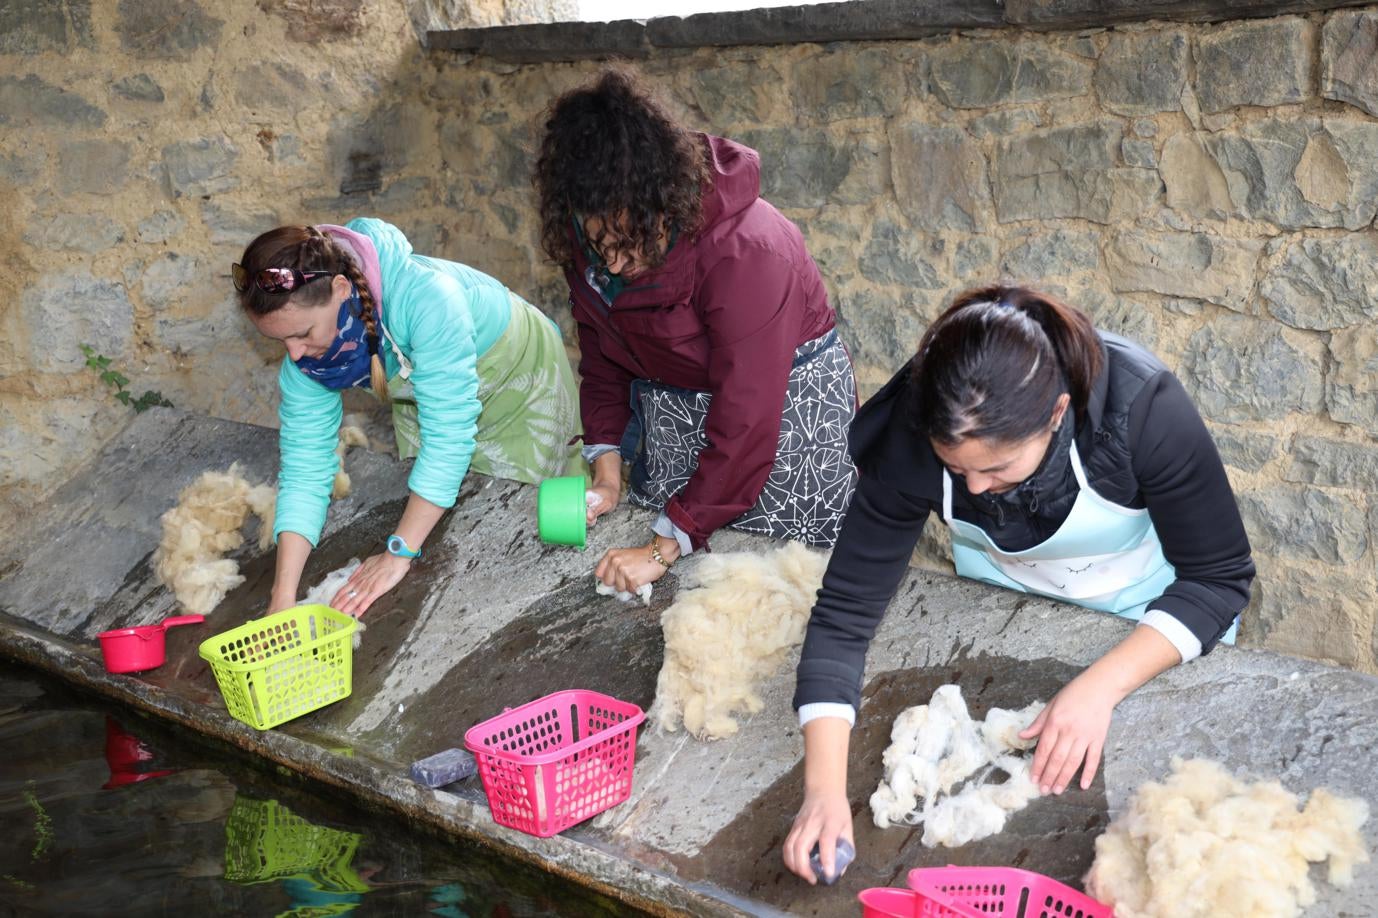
(398, 546)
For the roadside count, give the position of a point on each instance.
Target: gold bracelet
(657, 556)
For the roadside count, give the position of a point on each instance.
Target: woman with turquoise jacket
(477, 378)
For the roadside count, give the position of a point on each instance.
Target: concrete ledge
(858, 20)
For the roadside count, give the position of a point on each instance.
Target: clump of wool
(736, 617)
(935, 747)
(331, 583)
(350, 435)
(1204, 843)
(204, 525)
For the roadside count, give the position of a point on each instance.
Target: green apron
(530, 404)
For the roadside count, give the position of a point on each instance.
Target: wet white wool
(350, 435)
(735, 619)
(323, 592)
(1203, 843)
(206, 523)
(935, 747)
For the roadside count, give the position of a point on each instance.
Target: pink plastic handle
(183, 620)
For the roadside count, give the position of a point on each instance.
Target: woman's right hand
(824, 818)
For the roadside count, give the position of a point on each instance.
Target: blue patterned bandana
(346, 363)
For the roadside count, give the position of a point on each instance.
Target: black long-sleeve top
(1142, 444)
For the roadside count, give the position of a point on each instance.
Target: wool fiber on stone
(323, 592)
(349, 436)
(1203, 843)
(735, 619)
(204, 525)
(642, 593)
(933, 749)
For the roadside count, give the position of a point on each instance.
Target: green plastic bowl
(562, 512)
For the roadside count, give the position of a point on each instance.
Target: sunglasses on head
(275, 280)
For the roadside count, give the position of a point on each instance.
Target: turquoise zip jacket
(441, 317)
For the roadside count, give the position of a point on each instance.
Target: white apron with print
(1103, 556)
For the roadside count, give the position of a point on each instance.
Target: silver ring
(353, 593)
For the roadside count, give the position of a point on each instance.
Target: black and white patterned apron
(811, 482)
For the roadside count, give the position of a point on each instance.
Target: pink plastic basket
(1006, 892)
(888, 902)
(556, 761)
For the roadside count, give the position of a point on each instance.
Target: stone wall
(1207, 189)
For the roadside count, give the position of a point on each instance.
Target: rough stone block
(172, 281)
(277, 87)
(200, 167)
(1320, 615)
(1351, 387)
(1240, 369)
(367, 150)
(1325, 284)
(1349, 59)
(165, 28)
(93, 166)
(978, 74)
(1062, 172)
(318, 20)
(940, 177)
(230, 224)
(1267, 62)
(1301, 173)
(83, 232)
(1054, 254)
(160, 226)
(1195, 183)
(1334, 463)
(139, 88)
(34, 101)
(1243, 449)
(1139, 153)
(22, 166)
(881, 332)
(35, 26)
(974, 257)
(65, 310)
(1305, 524)
(1192, 265)
(1003, 122)
(869, 176)
(897, 255)
(1142, 72)
(1129, 318)
(799, 167)
(842, 84)
(739, 92)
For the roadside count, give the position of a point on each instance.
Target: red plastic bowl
(133, 650)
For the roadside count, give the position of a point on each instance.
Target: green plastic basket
(290, 663)
(266, 841)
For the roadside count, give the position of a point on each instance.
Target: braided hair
(306, 248)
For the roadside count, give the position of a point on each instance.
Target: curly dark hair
(611, 148)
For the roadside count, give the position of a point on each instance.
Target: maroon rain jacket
(723, 314)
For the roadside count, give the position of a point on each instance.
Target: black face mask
(1026, 495)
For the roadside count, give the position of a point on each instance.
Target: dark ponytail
(308, 249)
(994, 364)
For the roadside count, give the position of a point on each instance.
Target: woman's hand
(627, 569)
(607, 484)
(1071, 730)
(374, 577)
(824, 818)
(609, 493)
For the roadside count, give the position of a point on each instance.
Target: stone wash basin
(492, 618)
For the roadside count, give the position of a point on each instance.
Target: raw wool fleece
(350, 435)
(205, 524)
(936, 746)
(736, 617)
(1203, 843)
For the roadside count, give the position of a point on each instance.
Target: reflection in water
(88, 831)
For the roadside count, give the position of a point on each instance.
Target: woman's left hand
(1070, 730)
(626, 569)
(374, 577)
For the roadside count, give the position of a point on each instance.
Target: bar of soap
(842, 856)
(444, 768)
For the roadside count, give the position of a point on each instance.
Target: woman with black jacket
(1066, 462)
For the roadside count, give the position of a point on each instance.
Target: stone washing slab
(492, 618)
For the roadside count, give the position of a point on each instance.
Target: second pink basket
(1000, 892)
(556, 761)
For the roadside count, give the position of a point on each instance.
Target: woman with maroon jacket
(709, 355)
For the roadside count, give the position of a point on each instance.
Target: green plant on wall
(117, 382)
